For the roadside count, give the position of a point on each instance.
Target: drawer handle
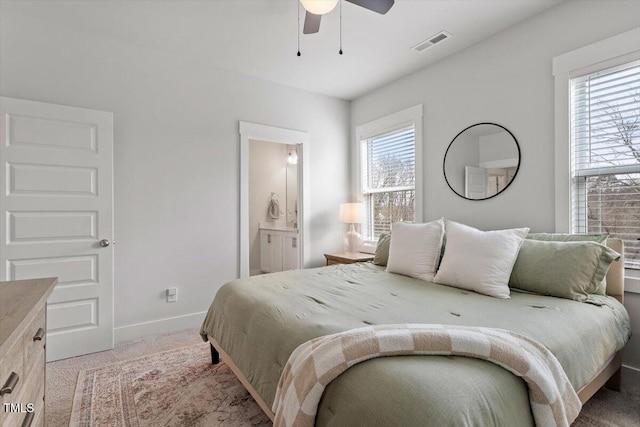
(39, 335)
(28, 419)
(10, 384)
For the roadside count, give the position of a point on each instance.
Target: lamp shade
(351, 213)
(319, 7)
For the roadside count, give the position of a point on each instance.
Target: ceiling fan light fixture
(319, 7)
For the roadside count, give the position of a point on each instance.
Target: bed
(255, 324)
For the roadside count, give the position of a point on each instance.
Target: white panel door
(270, 251)
(290, 252)
(275, 249)
(56, 202)
(266, 263)
(475, 182)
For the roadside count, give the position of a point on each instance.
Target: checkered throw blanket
(314, 364)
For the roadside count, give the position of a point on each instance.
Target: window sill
(632, 284)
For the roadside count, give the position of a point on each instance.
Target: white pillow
(415, 249)
(479, 261)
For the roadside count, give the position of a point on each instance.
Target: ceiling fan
(316, 8)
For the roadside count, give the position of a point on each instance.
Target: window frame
(389, 123)
(584, 167)
(608, 53)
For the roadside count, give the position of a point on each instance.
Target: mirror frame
(460, 133)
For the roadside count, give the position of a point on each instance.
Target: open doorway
(273, 202)
(273, 207)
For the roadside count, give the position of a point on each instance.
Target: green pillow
(570, 270)
(563, 237)
(382, 250)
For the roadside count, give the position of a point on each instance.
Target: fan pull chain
(299, 29)
(340, 51)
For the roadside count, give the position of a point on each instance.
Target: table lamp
(351, 213)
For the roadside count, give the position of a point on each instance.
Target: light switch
(172, 294)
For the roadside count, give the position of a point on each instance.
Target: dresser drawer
(39, 403)
(12, 362)
(23, 318)
(30, 398)
(34, 339)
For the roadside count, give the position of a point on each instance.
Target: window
(388, 166)
(605, 156)
(388, 172)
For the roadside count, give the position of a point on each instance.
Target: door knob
(104, 243)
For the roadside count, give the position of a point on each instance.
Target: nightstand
(346, 258)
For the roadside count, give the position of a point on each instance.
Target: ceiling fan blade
(311, 23)
(379, 6)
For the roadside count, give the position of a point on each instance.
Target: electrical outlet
(172, 294)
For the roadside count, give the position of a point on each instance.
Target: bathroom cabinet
(279, 251)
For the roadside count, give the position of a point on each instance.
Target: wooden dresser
(23, 308)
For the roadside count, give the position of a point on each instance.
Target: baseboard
(630, 376)
(153, 327)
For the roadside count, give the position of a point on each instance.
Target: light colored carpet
(62, 375)
(168, 380)
(173, 388)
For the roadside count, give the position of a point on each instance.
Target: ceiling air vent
(426, 44)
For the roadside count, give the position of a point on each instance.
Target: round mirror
(481, 161)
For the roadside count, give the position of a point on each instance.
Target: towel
(274, 206)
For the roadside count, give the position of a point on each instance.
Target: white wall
(176, 157)
(631, 354)
(504, 79)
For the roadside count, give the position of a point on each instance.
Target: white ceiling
(258, 37)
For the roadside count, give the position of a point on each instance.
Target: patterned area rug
(180, 387)
(174, 388)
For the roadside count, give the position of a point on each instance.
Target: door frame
(302, 139)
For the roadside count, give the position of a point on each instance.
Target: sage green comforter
(261, 320)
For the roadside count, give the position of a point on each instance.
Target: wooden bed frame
(610, 375)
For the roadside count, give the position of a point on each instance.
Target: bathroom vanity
(279, 248)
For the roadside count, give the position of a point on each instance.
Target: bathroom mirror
(481, 161)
